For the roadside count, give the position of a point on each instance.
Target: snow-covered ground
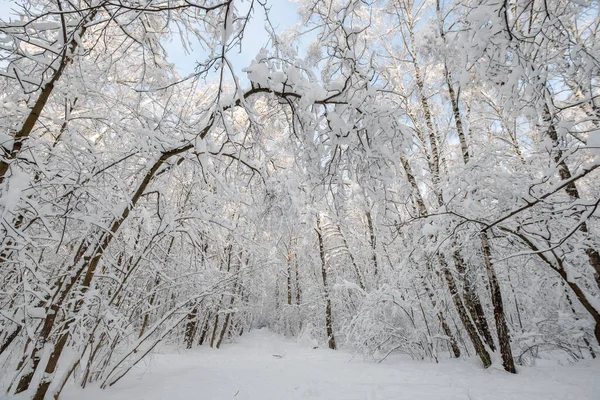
(265, 366)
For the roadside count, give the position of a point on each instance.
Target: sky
(4, 7)
(282, 15)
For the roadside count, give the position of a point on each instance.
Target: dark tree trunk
(448, 332)
(571, 189)
(445, 326)
(204, 331)
(559, 268)
(214, 332)
(223, 330)
(297, 274)
(464, 316)
(471, 298)
(328, 312)
(10, 338)
(85, 263)
(499, 315)
(289, 278)
(472, 301)
(373, 242)
(579, 293)
(36, 111)
(229, 313)
(449, 279)
(190, 328)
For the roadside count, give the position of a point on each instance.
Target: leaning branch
(563, 184)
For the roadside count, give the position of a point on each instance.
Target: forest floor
(263, 365)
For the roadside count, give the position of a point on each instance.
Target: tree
(422, 176)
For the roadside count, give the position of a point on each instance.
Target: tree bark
(560, 270)
(372, 242)
(289, 277)
(85, 261)
(571, 189)
(472, 301)
(484, 356)
(204, 331)
(328, 313)
(297, 275)
(10, 338)
(471, 298)
(445, 327)
(499, 315)
(36, 111)
(229, 312)
(190, 328)
(357, 271)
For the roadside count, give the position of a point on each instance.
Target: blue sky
(282, 15)
(5, 6)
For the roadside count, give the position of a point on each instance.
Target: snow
(45, 25)
(429, 229)
(6, 141)
(593, 142)
(263, 365)
(36, 312)
(9, 199)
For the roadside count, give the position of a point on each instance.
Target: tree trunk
(499, 316)
(63, 289)
(560, 270)
(36, 111)
(448, 332)
(328, 313)
(204, 331)
(471, 298)
(372, 242)
(445, 327)
(10, 338)
(472, 301)
(229, 313)
(146, 318)
(357, 271)
(85, 261)
(464, 316)
(289, 278)
(215, 328)
(190, 328)
(449, 279)
(457, 119)
(571, 189)
(297, 274)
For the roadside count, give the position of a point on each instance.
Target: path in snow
(252, 369)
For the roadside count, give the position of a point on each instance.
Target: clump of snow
(593, 142)
(36, 312)
(6, 141)
(429, 230)
(17, 182)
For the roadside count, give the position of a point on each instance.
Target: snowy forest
(386, 177)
